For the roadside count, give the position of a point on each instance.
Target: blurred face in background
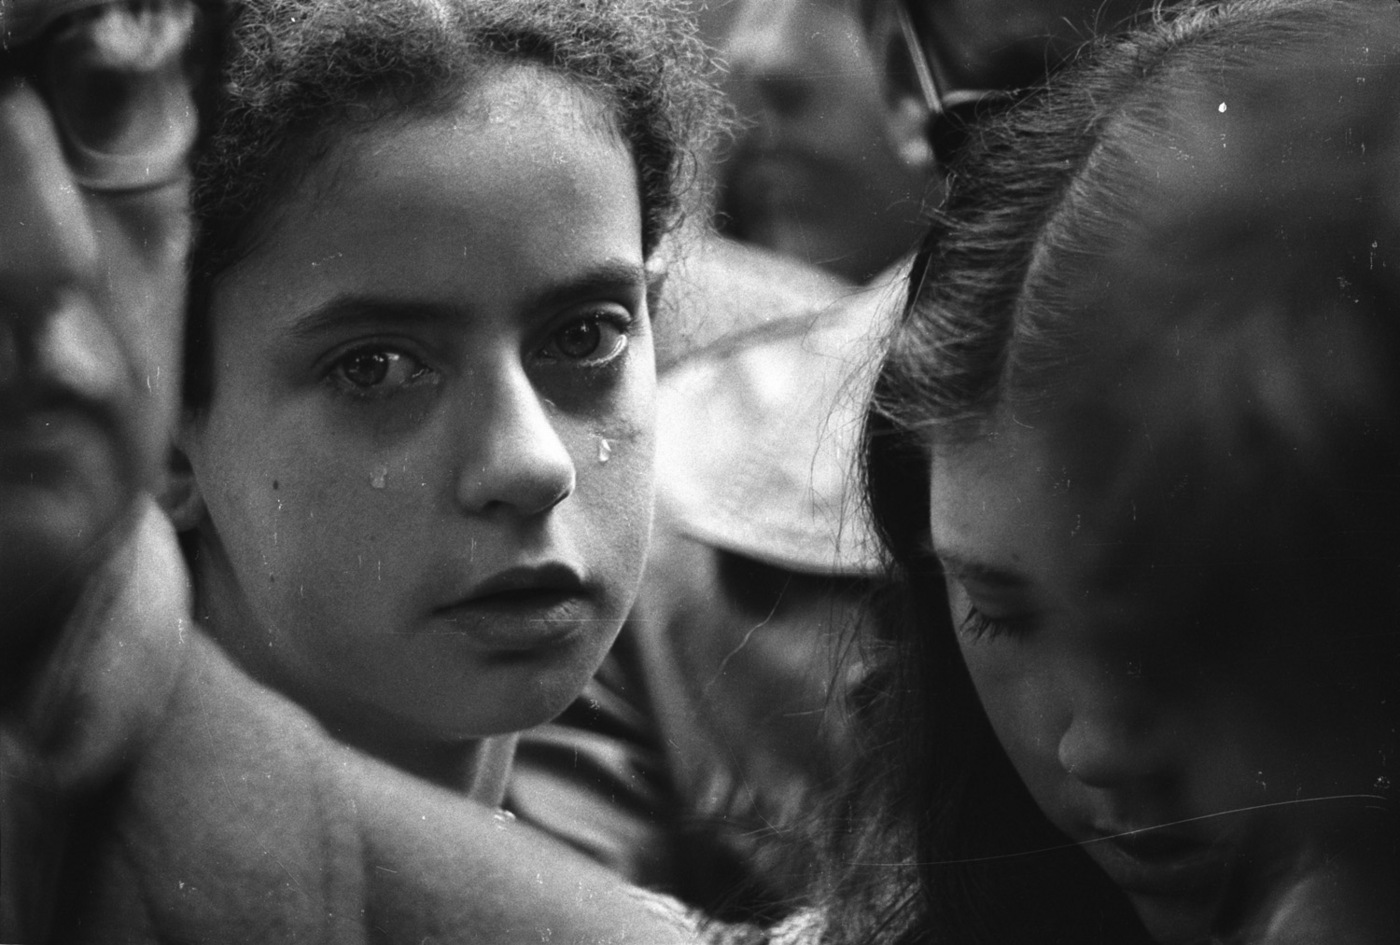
(96, 121)
(815, 173)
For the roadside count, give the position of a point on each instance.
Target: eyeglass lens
(120, 80)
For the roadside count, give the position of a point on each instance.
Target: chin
(518, 697)
(51, 540)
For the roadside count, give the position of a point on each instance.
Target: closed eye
(981, 626)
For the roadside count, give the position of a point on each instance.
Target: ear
(906, 123)
(181, 497)
(905, 102)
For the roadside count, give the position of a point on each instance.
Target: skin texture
(89, 361)
(814, 173)
(354, 533)
(1127, 703)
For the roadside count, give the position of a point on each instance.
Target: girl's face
(426, 465)
(1179, 721)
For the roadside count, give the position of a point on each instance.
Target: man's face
(97, 117)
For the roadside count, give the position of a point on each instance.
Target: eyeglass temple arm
(933, 85)
(929, 86)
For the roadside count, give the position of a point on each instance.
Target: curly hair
(300, 73)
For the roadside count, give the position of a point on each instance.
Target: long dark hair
(1228, 175)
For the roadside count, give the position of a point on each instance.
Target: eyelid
(978, 623)
(979, 626)
(424, 374)
(615, 314)
(370, 343)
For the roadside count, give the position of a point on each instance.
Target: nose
(764, 50)
(516, 463)
(1119, 732)
(47, 242)
(48, 254)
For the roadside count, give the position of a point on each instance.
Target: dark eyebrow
(609, 276)
(968, 569)
(612, 275)
(345, 310)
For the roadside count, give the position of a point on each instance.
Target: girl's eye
(369, 370)
(979, 626)
(592, 340)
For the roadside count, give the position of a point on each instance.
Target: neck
(463, 766)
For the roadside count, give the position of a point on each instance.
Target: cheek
(614, 457)
(1026, 711)
(620, 446)
(303, 524)
(145, 239)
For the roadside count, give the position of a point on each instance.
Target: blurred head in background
(97, 119)
(817, 171)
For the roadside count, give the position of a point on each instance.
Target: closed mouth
(41, 439)
(1160, 861)
(521, 599)
(772, 165)
(520, 609)
(525, 583)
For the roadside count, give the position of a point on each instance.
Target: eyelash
(337, 377)
(621, 323)
(979, 626)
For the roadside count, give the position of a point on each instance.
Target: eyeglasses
(951, 112)
(120, 78)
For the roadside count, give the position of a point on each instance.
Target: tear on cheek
(620, 440)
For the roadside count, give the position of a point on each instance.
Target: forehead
(994, 503)
(523, 184)
(1082, 514)
(1027, 499)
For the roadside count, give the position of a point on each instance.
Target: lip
(49, 437)
(1160, 861)
(520, 609)
(780, 167)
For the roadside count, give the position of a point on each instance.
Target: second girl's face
(426, 464)
(1181, 721)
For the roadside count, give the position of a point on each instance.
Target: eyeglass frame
(24, 35)
(951, 111)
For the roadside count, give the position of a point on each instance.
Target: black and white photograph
(699, 472)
